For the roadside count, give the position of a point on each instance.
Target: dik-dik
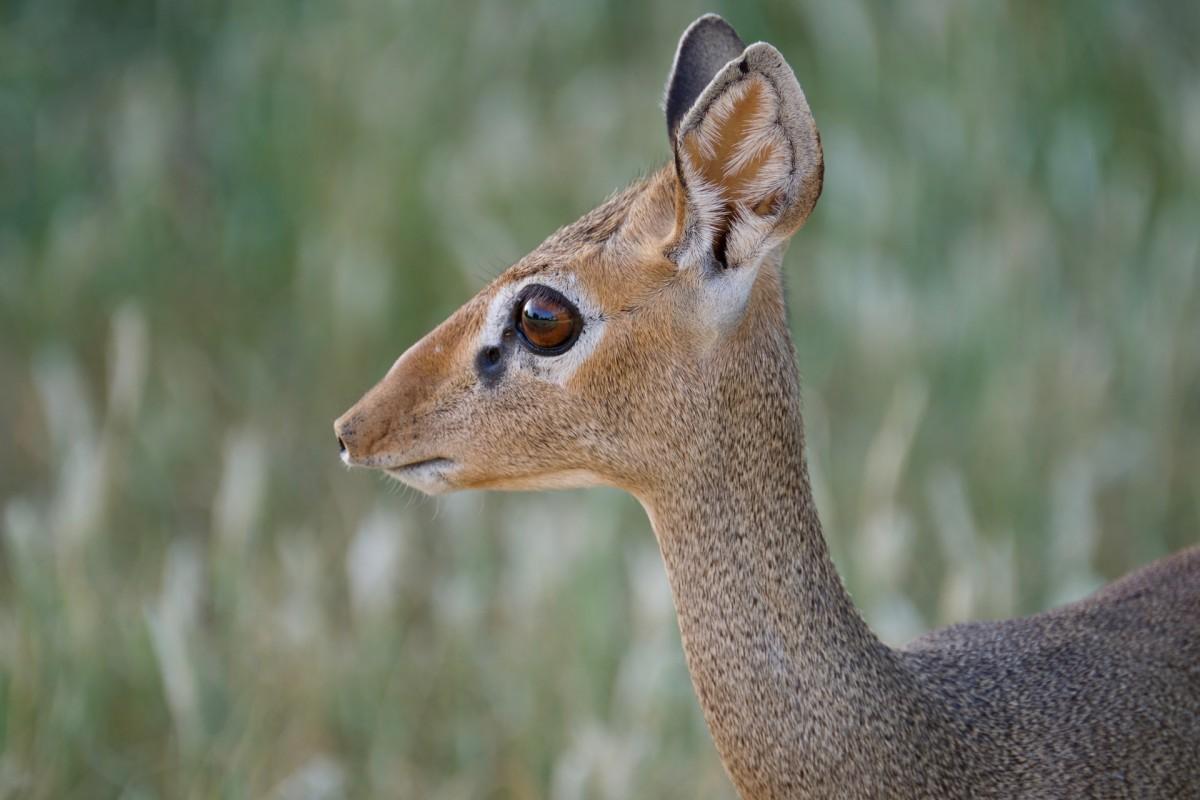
(646, 347)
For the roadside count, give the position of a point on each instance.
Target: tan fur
(687, 396)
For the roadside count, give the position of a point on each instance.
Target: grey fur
(1097, 699)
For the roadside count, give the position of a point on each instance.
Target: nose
(343, 429)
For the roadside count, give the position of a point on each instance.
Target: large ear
(747, 153)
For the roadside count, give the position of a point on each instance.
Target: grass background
(220, 222)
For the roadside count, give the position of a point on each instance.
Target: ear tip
(709, 20)
(764, 53)
(765, 57)
(711, 32)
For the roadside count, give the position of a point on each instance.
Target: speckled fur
(690, 400)
(1097, 699)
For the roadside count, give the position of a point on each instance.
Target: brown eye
(548, 322)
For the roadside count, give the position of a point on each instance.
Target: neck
(796, 689)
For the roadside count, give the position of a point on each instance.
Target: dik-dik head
(588, 361)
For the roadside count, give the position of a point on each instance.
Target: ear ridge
(748, 143)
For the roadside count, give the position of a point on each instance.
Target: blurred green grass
(220, 222)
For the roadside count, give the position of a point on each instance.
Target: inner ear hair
(748, 159)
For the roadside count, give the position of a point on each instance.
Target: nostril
(341, 447)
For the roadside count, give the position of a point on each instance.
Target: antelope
(646, 347)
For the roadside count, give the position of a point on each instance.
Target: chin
(442, 475)
(527, 482)
(431, 477)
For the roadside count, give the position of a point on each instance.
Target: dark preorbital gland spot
(490, 363)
